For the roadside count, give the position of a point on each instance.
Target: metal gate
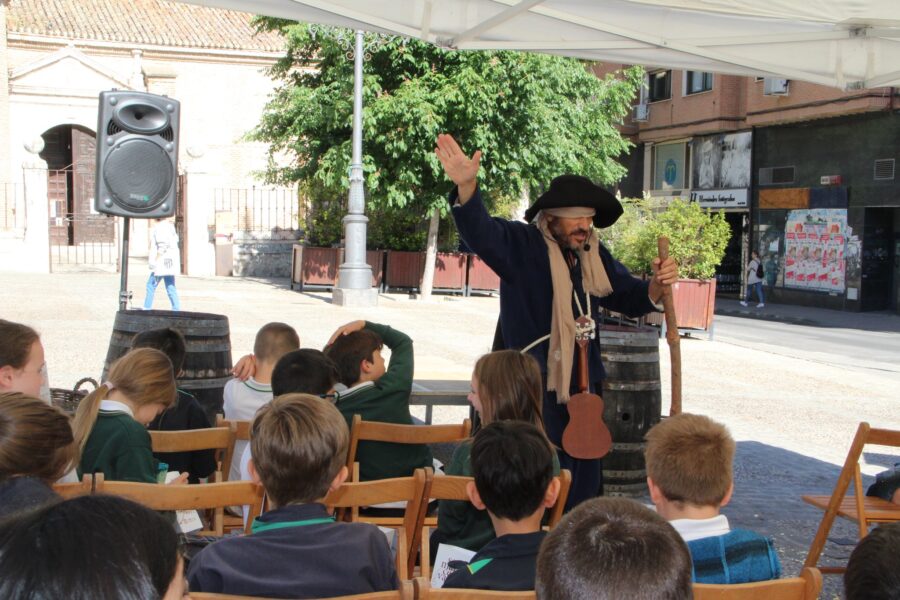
(80, 238)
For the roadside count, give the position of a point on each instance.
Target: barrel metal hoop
(644, 357)
(634, 386)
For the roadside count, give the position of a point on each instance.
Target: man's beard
(564, 240)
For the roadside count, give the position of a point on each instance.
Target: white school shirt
(696, 529)
(241, 400)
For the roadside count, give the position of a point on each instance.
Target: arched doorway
(78, 234)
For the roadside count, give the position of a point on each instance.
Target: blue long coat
(517, 252)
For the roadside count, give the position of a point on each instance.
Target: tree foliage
(533, 116)
(697, 237)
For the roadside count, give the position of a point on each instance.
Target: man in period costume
(553, 271)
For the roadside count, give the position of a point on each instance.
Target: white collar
(116, 406)
(356, 388)
(695, 529)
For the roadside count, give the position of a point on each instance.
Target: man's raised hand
(461, 169)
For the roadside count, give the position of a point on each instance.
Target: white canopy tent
(847, 44)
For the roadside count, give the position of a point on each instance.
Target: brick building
(55, 58)
(805, 175)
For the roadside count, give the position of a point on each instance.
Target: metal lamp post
(355, 277)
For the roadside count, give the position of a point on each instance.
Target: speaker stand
(124, 294)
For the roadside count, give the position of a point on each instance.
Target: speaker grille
(167, 134)
(112, 128)
(138, 174)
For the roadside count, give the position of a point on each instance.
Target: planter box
(450, 272)
(404, 271)
(695, 303)
(319, 267)
(480, 277)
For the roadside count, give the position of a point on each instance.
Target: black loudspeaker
(137, 154)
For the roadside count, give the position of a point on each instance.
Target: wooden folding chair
(375, 431)
(411, 490)
(424, 591)
(220, 439)
(805, 587)
(859, 508)
(406, 592)
(198, 496)
(75, 488)
(241, 434)
(449, 487)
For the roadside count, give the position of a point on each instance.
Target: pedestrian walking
(754, 280)
(165, 262)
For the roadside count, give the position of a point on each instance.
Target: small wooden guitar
(586, 435)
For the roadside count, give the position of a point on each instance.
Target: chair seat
(876, 509)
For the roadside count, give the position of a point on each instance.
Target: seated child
(36, 449)
(873, 571)
(303, 371)
(185, 413)
(613, 548)
(241, 399)
(689, 461)
(91, 547)
(296, 550)
(22, 367)
(887, 485)
(377, 394)
(513, 466)
(506, 386)
(111, 422)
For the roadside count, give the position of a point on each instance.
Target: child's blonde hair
(690, 458)
(274, 340)
(35, 439)
(143, 375)
(299, 444)
(510, 388)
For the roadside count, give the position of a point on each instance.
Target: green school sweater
(119, 447)
(387, 401)
(460, 523)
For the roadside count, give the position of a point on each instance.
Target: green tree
(533, 116)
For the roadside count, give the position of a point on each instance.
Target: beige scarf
(561, 354)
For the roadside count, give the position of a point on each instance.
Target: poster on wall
(815, 244)
(721, 161)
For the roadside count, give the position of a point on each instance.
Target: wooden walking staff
(672, 336)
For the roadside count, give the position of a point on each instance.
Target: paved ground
(782, 378)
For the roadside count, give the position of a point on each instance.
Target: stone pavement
(817, 317)
(793, 428)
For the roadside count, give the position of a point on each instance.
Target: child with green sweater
(111, 422)
(377, 393)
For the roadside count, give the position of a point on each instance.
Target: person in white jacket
(165, 262)
(754, 281)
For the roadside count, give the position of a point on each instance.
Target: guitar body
(586, 435)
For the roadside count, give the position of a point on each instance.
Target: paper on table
(188, 520)
(445, 554)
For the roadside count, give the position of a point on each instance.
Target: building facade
(804, 174)
(56, 56)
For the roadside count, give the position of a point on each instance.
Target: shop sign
(734, 198)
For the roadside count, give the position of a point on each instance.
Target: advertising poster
(721, 161)
(815, 244)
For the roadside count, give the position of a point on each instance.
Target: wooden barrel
(207, 363)
(632, 402)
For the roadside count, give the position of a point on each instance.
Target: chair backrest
(411, 490)
(805, 587)
(198, 496)
(424, 591)
(189, 440)
(403, 434)
(406, 592)
(241, 428)
(75, 488)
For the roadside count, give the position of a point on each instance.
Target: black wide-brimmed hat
(575, 190)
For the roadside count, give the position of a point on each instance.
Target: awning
(849, 44)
